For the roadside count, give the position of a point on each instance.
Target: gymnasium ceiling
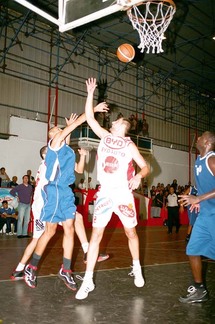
(189, 48)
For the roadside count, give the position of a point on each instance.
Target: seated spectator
(10, 216)
(2, 221)
(4, 177)
(13, 183)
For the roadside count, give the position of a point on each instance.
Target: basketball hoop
(151, 19)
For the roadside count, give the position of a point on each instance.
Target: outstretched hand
(101, 107)
(91, 85)
(71, 119)
(186, 200)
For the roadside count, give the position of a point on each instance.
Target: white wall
(168, 164)
(18, 154)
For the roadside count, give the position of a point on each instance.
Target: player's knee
(131, 233)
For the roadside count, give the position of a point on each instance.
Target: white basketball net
(152, 24)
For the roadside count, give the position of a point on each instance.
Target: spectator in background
(152, 191)
(81, 184)
(89, 184)
(133, 121)
(2, 221)
(31, 179)
(4, 178)
(145, 188)
(144, 128)
(175, 185)
(10, 216)
(13, 183)
(173, 211)
(159, 199)
(24, 194)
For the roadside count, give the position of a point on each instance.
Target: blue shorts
(192, 216)
(202, 240)
(59, 204)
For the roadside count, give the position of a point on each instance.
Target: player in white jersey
(202, 241)
(38, 225)
(117, 178)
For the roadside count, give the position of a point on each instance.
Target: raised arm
(98, 130)
(73, 122)
(79, 167)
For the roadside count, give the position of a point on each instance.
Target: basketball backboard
(75, 13)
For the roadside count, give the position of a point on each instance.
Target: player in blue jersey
(59, 202)
(202, 241)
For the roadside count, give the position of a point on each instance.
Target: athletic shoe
(101, 257)
(195, 295)
(66, 276)
(10, 233)
(138, 277)
(85, 289)
(16, 275)
(30, 276)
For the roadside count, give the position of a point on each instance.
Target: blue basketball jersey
(205, 182)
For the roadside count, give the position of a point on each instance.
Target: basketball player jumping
(117, 177)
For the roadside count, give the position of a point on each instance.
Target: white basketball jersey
(114, 161)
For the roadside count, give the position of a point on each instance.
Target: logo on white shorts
(127, 211)
(103, 205)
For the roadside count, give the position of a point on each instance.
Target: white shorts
(120, 201)
(39, 226)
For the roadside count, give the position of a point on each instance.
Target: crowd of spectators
(159, 193)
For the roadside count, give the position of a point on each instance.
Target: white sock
(136, 264)
(20, 267)
(85, 247)
(88, 276)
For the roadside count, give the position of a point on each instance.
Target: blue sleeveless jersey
(60, 165)
(205, 182)
(57, 195)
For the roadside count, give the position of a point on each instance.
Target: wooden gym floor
(115, 299)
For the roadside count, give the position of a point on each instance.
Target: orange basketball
(125, 53)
